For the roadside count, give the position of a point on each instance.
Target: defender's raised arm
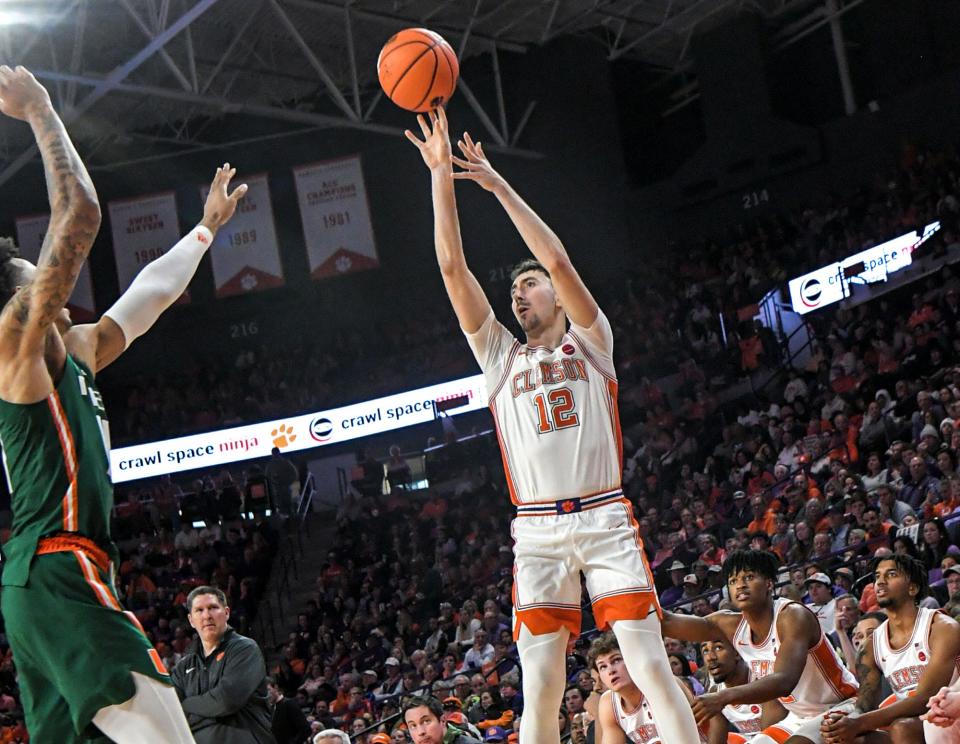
(74, 215)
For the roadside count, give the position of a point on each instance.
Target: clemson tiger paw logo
(282, 436)
(344, 264)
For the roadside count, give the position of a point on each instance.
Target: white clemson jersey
(555, 411)
(639, 726)
(825, 681)
(903, 666)
(744, 718)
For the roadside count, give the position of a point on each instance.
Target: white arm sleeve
(159, 284)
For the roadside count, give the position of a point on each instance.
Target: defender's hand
(220, 205)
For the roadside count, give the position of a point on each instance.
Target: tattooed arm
(840, 728)
(870, 679)
(945, 647)
(74, 212)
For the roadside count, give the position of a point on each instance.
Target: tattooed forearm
(74, 222)
(68, 183)
(870, 681)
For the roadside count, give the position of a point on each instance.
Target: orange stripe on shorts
(776, 733)
(157, 662)
(102, 592)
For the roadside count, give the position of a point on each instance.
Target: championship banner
(336, 217)
(306, 431)
(31, 230)
(245, 252)
(144, 228)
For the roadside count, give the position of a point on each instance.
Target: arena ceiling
(145, 79)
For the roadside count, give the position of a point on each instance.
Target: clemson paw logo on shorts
(282, 436)
(568, 506)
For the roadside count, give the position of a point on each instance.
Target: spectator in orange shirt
(140, 589)
(760, 479)
(14, 733)
(951, 503)
(840, 381)
(434, 509)
(813, 515)
(340, 705)
(843, 441)
(807, 485)
(877, 530)
(713, 554)
(762, 517)
(922, 312)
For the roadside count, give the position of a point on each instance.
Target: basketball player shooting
(84, 665)
(554, 401)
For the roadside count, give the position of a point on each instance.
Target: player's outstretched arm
(159, 284)
(797, 628)
(543, 243)
(467, 297)
(74, 216)
(698, 629)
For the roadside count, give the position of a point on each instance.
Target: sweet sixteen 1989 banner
(143, 229)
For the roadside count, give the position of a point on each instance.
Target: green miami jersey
(56, 457)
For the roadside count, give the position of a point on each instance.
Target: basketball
(418, 69)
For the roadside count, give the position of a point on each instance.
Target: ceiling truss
(138, 80)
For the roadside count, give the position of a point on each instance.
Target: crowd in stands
(854, 452)
(849, 456)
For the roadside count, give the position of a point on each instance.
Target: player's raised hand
(221, 203)
(21, 96)
(435, 145)
(475, 165)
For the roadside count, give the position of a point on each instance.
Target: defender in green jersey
(85, 667)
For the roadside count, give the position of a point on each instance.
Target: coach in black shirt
(221, 679)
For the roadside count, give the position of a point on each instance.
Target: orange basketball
(418, 69)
